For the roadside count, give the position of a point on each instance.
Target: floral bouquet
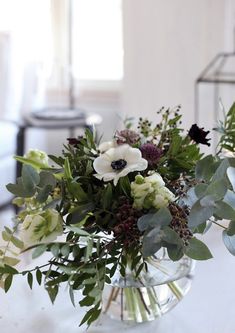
(118, 207)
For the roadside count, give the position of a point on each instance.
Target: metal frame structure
(214, 74)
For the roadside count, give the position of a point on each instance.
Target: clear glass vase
(153, 293)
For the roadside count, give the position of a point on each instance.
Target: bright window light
(28, 21)
(97, 40)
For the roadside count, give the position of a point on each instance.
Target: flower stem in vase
(176, 290)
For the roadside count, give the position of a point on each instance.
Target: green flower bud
(37, 156)
(139, 179)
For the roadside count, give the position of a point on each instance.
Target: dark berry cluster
(144, 126)
(126, 229)
(179, 222)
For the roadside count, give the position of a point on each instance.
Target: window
(40, 32)
(23, 21)
(97, 40)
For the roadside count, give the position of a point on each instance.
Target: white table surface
(209, 307)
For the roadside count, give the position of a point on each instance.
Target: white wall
(167, 43)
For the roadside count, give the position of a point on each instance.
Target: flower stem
(110, 299)
(176, 290)
(142, 299)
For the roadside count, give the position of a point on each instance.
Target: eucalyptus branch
(218, 224)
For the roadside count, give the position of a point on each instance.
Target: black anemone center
(119, 164)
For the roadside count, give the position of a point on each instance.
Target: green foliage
(8, 282)
(197, 250)
(103, 229)
(162, 236)
(39, 250)
(215, 197)
(229, 242)
(30, 279)
(24, 187)
(161, 218)
(226, 129)
(231, 176)
(26, 161)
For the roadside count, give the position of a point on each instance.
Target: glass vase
(156, 290)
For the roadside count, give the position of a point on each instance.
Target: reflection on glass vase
(156, 290)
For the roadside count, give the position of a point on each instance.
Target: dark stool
(51, 119)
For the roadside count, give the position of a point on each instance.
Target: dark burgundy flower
(74, 141)
(199, 135)
(151, 153)
(127, 136)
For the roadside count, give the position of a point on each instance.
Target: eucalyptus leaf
(30, 177)
(190, 198)
(55, 250)
(199, 214)
(224, 211)
(161, 218)
(231, 176)
(20, 190)
(217, 189)
(221, 171)
(171, 237)
(231, 228)
(230, 198)
(152, 241)
(44, 193)
(208, 201)
(39, 250)
(65, 250)
(229, 242)
(175, 252)
(203, 228)
(197, 250)
(150, 248)
(205, 168)
(47, 178)
(200, 190)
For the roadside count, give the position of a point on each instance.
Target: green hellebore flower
(42, 227)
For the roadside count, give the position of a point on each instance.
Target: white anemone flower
(104, 146)
(118, 162)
